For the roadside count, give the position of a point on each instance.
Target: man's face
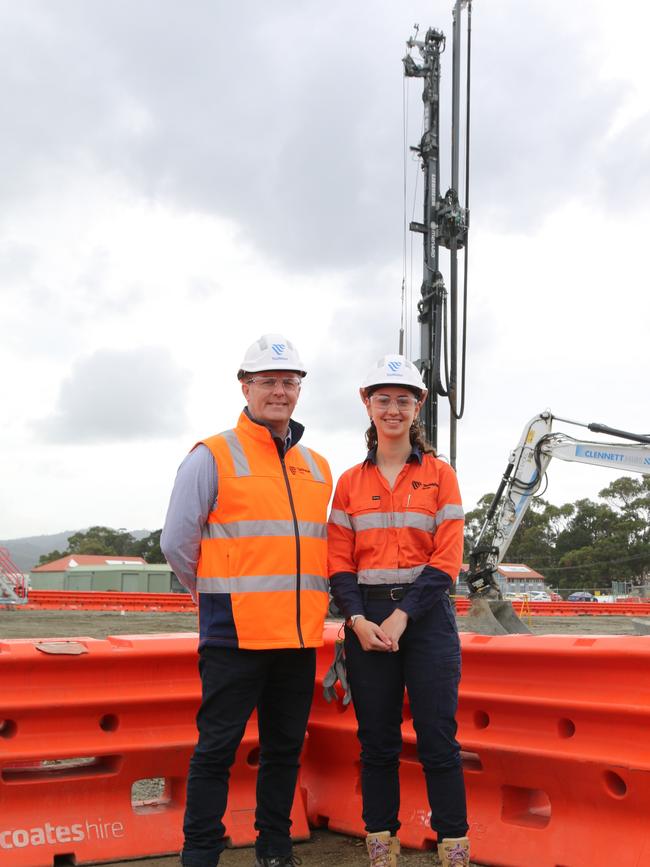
(272, 402)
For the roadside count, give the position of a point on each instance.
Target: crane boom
(522, 480)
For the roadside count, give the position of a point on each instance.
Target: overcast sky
(179, 178)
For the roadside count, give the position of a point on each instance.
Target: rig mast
(445, 224)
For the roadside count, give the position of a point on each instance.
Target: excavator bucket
(493, 617)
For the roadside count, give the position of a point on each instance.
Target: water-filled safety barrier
(96, 736)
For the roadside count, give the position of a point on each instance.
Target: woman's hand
(371, 636)
(394, 626)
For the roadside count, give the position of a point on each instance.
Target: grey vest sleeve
(193, 497)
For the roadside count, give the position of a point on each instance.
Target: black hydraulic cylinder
(614, 432)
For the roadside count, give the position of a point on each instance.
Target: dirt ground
(325, 849)
(29, 623)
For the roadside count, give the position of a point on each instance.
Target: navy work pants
(280, 684)
(428, 665)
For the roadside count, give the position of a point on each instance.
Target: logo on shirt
(302, 470)
(376, 497)
(425, 486)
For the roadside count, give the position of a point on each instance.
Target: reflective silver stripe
(236, 453)
(311, 463)
(241, 529)
(340, 518)
(449, 513)
(387, 520)
(389, 576)
(419, 521)
(261, 584)
(372, 521)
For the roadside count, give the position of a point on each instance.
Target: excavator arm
(521, 481)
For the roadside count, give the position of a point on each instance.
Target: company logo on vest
(48, 834)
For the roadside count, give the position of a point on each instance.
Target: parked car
(539, 596)
(582, 596)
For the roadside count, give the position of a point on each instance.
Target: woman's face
(393, 410)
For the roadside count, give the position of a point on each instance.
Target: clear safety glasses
(403, 403)
(270, 383)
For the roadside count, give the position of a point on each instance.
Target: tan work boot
(382, 849)
(454, 852)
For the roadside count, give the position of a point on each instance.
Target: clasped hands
(384, 637)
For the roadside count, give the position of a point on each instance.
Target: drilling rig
(445, 224)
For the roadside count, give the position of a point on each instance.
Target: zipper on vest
(297, 536)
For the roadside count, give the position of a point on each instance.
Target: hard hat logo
(395, 370)
(271, 352)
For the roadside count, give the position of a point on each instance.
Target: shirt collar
(294, 431)
(415, 455)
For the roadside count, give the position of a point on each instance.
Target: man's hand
(394, 626)
(371, 636)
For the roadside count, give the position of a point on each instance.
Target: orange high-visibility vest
(265, 542)
(388, 536)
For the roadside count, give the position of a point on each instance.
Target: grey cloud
(287, 117)
(625, 179)
(540, 112)
(359, 334)
(117, 396)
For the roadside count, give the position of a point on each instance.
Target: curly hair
(417, 437)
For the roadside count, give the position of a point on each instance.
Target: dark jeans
(428, 665)
(280, 683)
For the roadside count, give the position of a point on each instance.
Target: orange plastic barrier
(554, 731)
(96, 600)
(622, 607)
(95, 741)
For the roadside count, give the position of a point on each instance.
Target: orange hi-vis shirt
(389, 536)
(262, 570)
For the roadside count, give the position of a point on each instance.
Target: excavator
(489, 613)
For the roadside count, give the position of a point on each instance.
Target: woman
(395, 539)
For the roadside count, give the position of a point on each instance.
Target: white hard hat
(394, 370)
(271, 352)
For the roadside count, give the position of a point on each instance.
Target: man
(246, 534)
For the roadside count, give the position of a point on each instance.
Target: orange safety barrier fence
(620, 608)
(95, 742)
(554, 733)
(97, 600)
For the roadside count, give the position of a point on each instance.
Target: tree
(534, 541)
(474, 520)
(104, 540)
(581, 544)
(149, 548)
(101, 540)
(47, 558)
